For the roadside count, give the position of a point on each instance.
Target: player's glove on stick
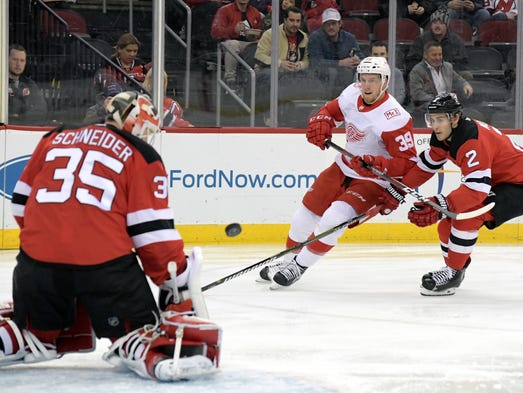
(423, 215)
(391, 198)
(361, 165)
(320, 129)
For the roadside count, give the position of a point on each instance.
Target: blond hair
(148, 82)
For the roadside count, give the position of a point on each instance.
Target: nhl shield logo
(113, 321)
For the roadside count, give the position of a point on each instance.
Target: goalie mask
(134, 113)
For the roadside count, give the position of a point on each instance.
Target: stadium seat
(359, 27)
(462, 28)
(362, 8)
(406, 30)
(485, 61)
(500, 34)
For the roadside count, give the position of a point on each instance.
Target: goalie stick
(360, 219)
(414, 193)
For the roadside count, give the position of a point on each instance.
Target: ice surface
(355, 323)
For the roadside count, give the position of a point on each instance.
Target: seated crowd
(317, 57)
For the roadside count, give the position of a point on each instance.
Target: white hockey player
(376, 126)
(89, 203)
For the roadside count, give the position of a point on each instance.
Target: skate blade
(262, 280)
(275, 286)
(446, 292)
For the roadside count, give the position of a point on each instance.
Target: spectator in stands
(261, 5)
(433, 76)
(379, 49)
(453, 45)
(313, 12)
(418, 10)
(334, 53)
(26, 103)
(126, 57)
(237, 25)
(502, 9)
(293, 54)
(96, 113)
(293, 60)
(172, 110)
(284, 4)
(473, 11)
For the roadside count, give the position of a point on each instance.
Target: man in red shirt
(91, 204)
(237, 24)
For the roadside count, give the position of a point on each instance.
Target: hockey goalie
(92, 206)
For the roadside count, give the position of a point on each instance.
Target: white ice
(355, 323)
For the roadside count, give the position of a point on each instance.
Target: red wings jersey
(485, 156)
(381, 129)
(90, 195)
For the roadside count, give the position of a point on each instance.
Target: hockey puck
(233, 229)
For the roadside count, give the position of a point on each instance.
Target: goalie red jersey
(111, 186)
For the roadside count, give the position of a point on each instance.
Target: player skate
(267, 273)
(287, 274)
(442, 282)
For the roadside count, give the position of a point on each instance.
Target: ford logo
(10, 172)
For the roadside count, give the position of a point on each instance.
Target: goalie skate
(443, 282)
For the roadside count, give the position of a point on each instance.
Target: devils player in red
(91, 204)
(490, 163)
(376, 125)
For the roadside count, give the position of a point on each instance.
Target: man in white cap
(334, 52)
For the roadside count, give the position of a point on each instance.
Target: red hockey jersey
(485, 156)
(94, 194)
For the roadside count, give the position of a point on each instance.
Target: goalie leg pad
(178, 347)
(22, 346)
(80, 336)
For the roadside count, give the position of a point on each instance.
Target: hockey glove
(361, 165)
(423, 215)
(391, 198)
(320, 129)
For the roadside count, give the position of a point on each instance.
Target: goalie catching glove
(320, 128)
(423, 214)
(362, 165)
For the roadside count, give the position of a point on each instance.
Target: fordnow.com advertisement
(255, 179)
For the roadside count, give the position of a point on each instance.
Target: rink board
(253, 176)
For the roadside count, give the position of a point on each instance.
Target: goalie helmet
(445, 103)
(134, 113)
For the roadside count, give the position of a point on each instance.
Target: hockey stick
(414, 193)
(360, 219)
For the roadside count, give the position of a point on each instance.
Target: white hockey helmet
(135, 113)
(375, 65)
